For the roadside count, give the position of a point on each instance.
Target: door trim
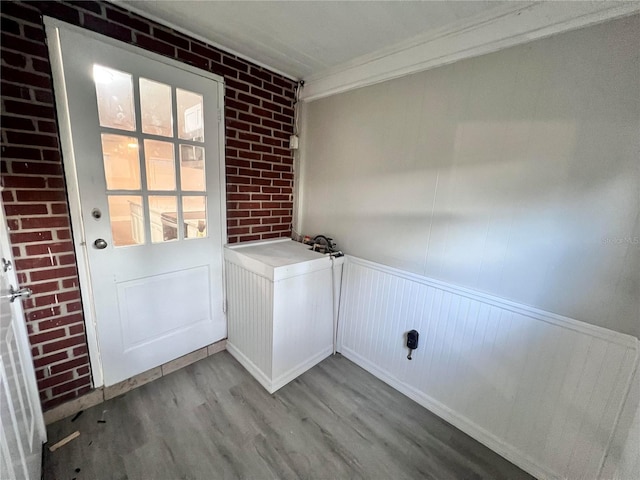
(53, 28)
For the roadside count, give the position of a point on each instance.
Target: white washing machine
(281, 299)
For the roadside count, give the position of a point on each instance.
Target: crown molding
(511, 25)
(189, 33)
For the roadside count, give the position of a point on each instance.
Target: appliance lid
(276, 259)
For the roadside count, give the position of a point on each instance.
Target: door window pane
(164, 218)
(194, 211)
(126, 214)
(155, 106)
(192, 168)
(160, 164)
(121, 162)
(190, 115)
(114, 91)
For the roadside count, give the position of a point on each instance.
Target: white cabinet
(280, 308)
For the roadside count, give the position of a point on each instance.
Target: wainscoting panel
(250, 298)
(542, 390)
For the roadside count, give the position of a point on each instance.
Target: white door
(22, 430)
(145, 139)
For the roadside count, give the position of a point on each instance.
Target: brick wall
(259, 120)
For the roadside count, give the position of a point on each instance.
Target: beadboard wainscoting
(542, 390)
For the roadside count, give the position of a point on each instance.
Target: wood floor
(212, 420)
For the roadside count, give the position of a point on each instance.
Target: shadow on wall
(514, 173)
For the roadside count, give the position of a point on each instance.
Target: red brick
(65, 387)
(49, 382)
(47, 336)
(10, 26)
(249, 238)
(60, 321)
(52, 273)
(21, 153)
(46, 248)
(154, 45)
(24, 209)
(50, 359)
(17, 92)
(248, 117)
(34, 262)
(22, 77)
(284, 82)
(16, 123)
(238, 230)
(60, 11)
(76, 329)
(238, 213)
(243, 97)
(124, 19)
(12, 181)
(67, 259)
(261, 213)
(41, 168)
(44, 222)
(14, 59)
(44, 287)
(34, 315)
(236, 105)
(70, 365)
(34, 32)
(193, 59)
(74, 307)
(51, 155)
(170, 38)
(40, 195)
(235, 63)
(49, 127)
(206, 52)
(81, 350)
(30, 237)
(22, 45)
(44, 96)
(245, 77)
(105, 27)
(63, 344)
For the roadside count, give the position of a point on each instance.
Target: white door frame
(53, 28)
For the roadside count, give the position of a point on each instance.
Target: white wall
(516, 173)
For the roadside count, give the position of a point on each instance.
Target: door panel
(21, 423)
(144, 137)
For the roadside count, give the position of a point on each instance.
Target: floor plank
(212, 420)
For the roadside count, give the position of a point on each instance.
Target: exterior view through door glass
(145, 140)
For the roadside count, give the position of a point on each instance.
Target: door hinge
(219, 115)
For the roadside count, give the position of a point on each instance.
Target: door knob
(13, 293)
(100, 243)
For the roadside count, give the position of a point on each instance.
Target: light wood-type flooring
(212, 420)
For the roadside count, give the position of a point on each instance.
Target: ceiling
(303, 39)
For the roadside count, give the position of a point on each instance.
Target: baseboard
(505, 450)
(102, 394)
(298, 370)
(275, 385)
(251, 367)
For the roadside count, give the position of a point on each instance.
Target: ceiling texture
(339, 45)
(304, 38)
